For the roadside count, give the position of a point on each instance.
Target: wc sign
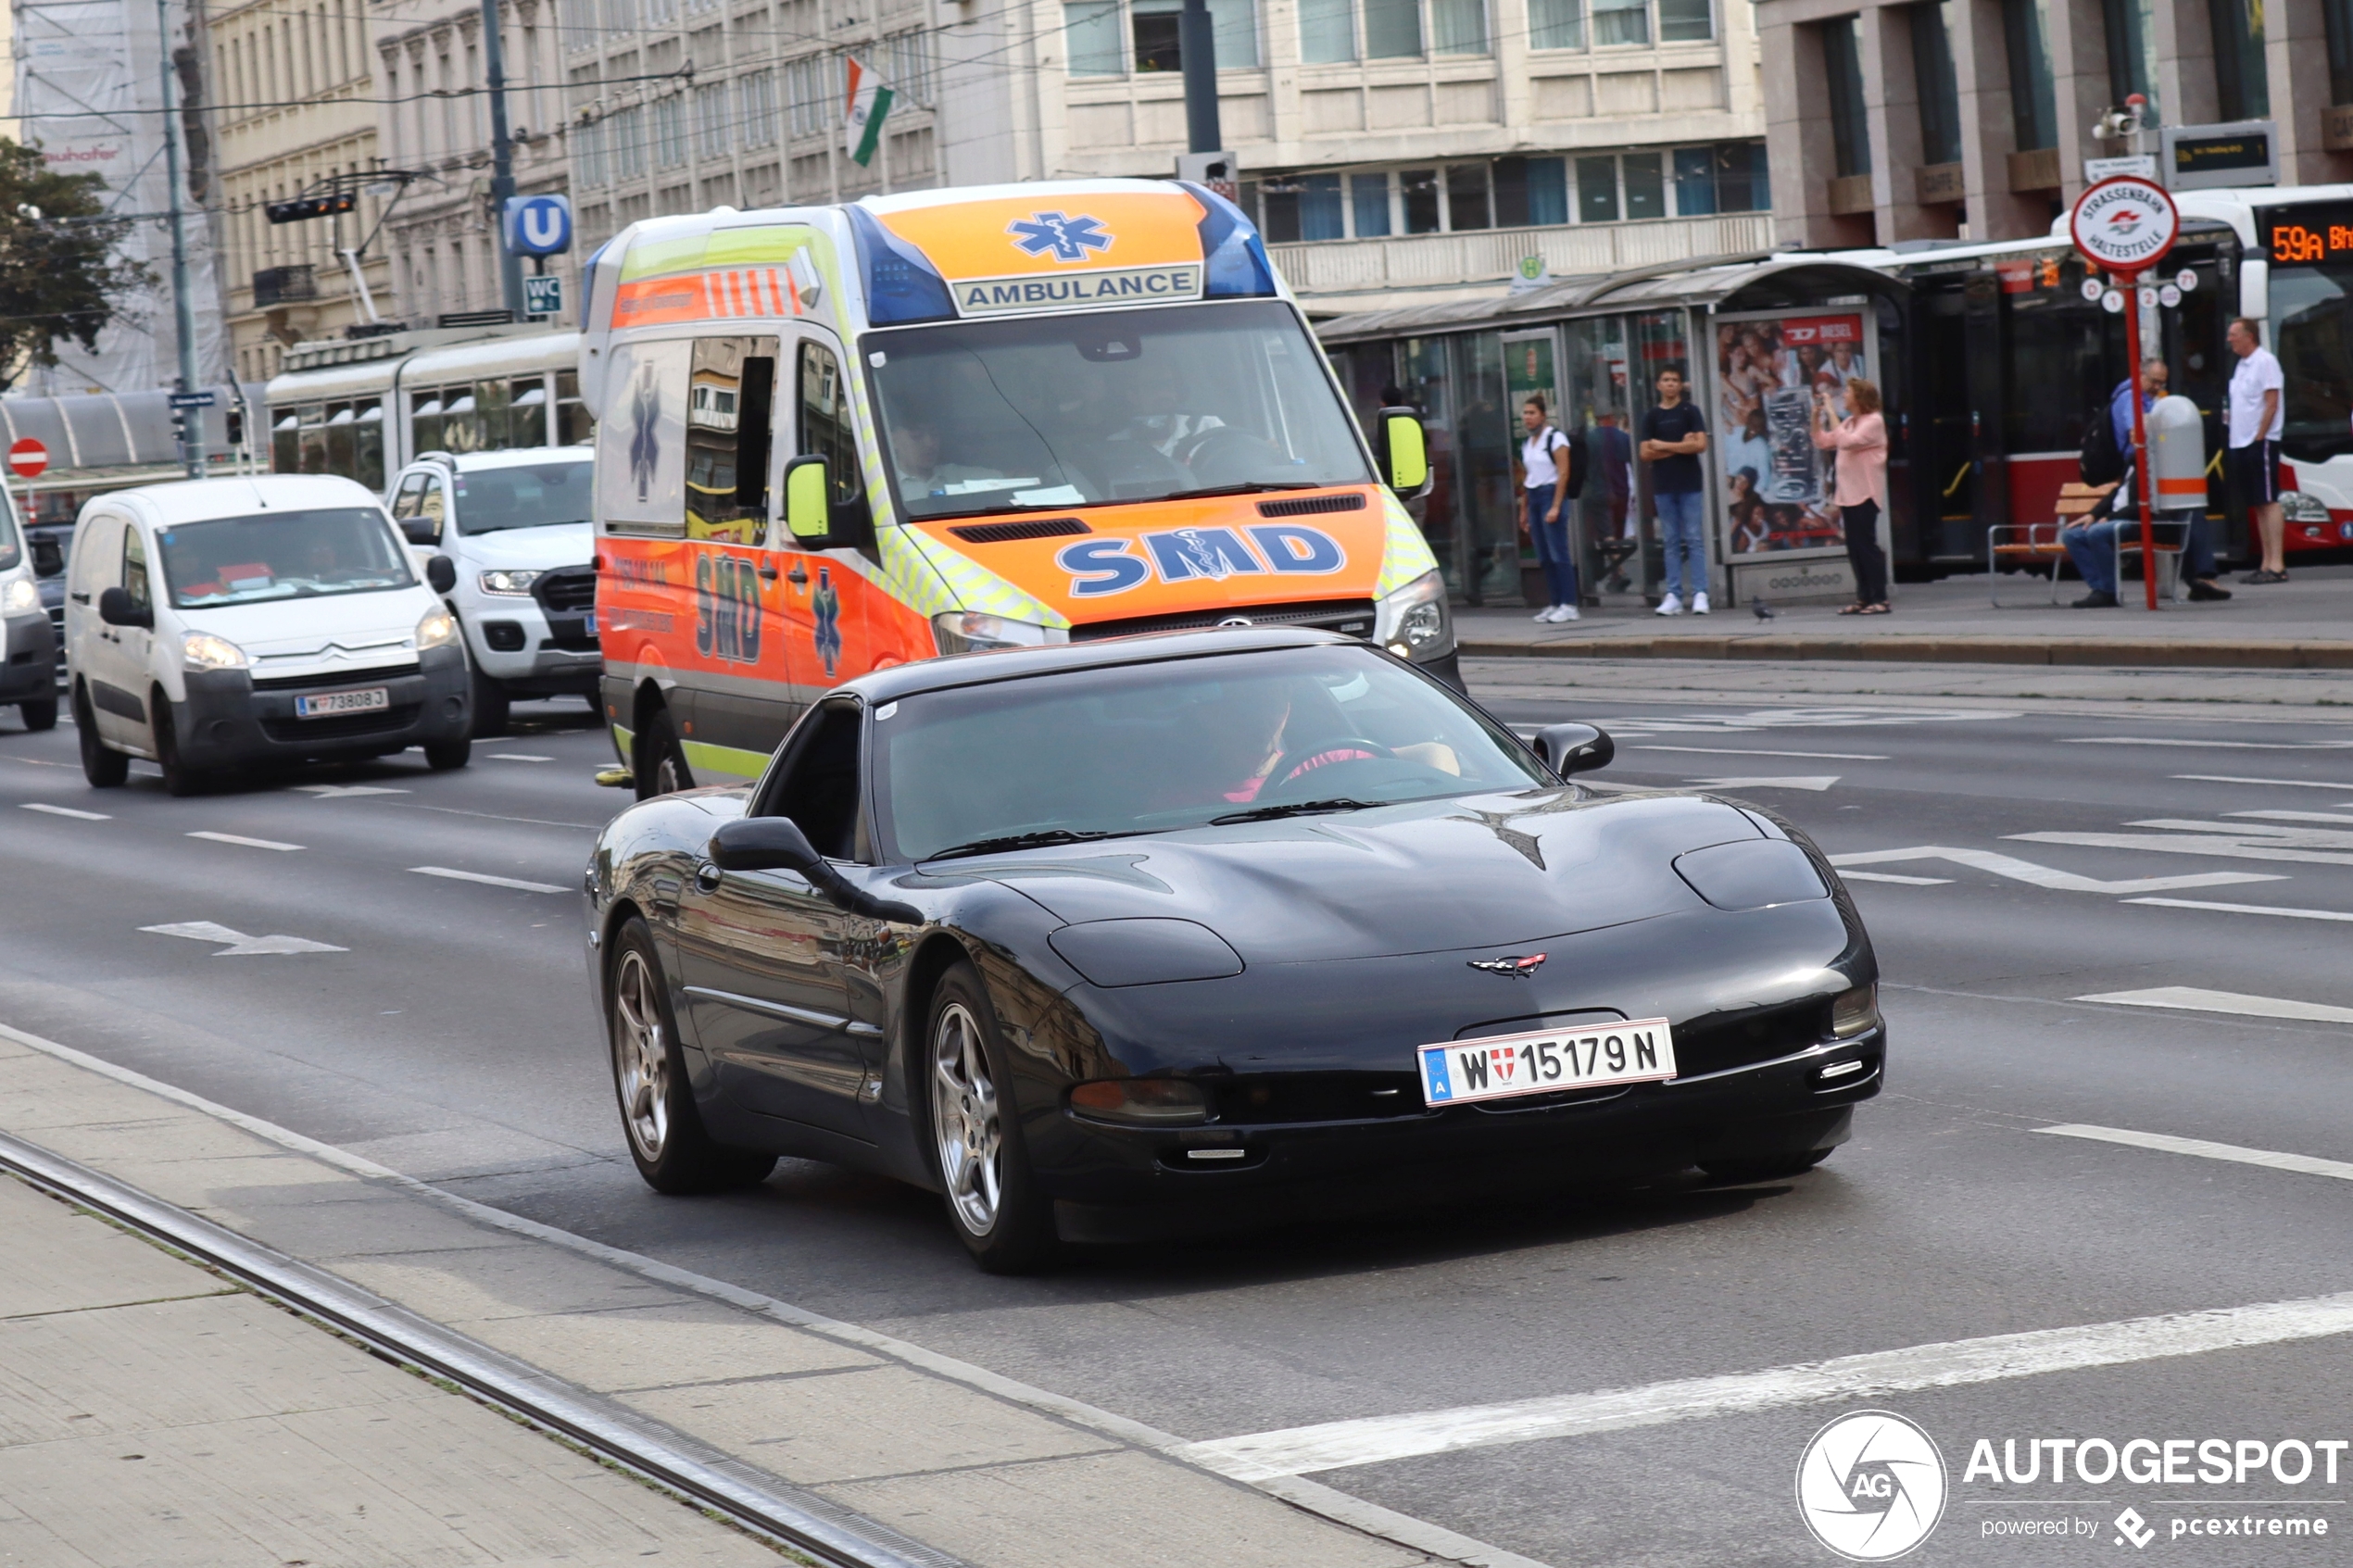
(539, 225)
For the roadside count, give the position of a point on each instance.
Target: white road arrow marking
(2214, 744)
(2295, 816)
(2303, 1164)
(65, 811)
(239, 944)
(338, 792)
(518, 757)
(2217, 847)
(2292, 784)
(1744, 751)
(2044, 877)
(2190, 999)
(2245, 909)
(515, 883)
(1818, 783)
(247, 843)
(1905, 881)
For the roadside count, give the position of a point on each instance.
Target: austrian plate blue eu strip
(1505, 1066)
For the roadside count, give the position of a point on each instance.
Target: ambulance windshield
(1107, 408)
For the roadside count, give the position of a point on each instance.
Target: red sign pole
(2130, 282)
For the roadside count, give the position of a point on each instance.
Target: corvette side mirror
(776, 844)
(1574, 748)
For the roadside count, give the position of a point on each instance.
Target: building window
(1305, 207)
(2132, 53)
(1646, 188)
(1418, 191)
(1155, 25)
(669, 131)
(1842, 65)
(907, 65)
(2033, 102)
(1686, 21)
(1597, 190)
(2238, 59)
(1467, 207)
(2339, 16)
(1621, 21)
(1393, 30)
(758, 93)
(1458, 27)
(1368, 204)
(588, 153)
(1091, 31)
(1328, 31)
(710, 121)
(627, 141)
(1559, 24)
(1530, 191)
(1939, 86)
(809, 84)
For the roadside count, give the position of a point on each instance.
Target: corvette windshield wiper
(1038, 840)
(1297, 809)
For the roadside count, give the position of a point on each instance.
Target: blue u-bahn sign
(539, 225)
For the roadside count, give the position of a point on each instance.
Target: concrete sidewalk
(2304, 623)
(269, 1441)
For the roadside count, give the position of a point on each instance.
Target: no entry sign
(2124, 225)
(27, 459)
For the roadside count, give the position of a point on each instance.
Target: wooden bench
(2012, 545)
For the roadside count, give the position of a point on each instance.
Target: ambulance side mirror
(1404, 452)
(808, 502)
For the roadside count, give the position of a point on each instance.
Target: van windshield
(282, 556)
(1110, 406)
(523, 495)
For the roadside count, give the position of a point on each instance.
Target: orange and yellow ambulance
(835, 438)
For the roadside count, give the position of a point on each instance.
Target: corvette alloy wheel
(640, 1056)
(966, 1119)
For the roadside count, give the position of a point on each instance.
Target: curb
(2129, 652)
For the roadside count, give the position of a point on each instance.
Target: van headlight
(1414, 622)
(437, 628)
(506, 581)
(965, 631)
(21, 596)
(202, 650)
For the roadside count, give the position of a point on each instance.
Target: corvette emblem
(1518, 965)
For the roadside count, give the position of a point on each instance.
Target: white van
(516, 526)
(221, 624)
(29, 666)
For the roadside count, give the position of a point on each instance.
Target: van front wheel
(105, 768)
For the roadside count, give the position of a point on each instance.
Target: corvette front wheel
(978, 1152)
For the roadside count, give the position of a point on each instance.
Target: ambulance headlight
(965, 631)
(1414, 622)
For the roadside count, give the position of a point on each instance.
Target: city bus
(831, 439)
(2012, 354)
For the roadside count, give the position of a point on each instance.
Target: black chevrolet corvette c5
(1111, 940)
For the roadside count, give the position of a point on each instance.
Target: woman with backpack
(1550, 482)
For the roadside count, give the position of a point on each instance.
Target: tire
(38, 713)
(661, 761)
(1765, 1168)
(658, 1120)
(489, 706)
(975, 1138)
(104, 767)
(442, 756)
(178, 779)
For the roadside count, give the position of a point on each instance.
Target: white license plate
(374, 700)
(1504, 1066)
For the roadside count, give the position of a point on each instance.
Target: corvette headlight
(1414, 622)
(202, 650)
(965, 631)
(1854, 1012)
(22, 597)
(516, 583)
(1142, 1102)
(438, 627)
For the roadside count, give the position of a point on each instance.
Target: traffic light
(302, 209)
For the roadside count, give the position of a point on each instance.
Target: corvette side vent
(1305, 505)
(1027, 528)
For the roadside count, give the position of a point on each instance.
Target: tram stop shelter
(1755, 336)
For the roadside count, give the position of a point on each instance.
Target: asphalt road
(448, 1033)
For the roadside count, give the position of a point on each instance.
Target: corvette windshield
(282, 556)
(1151, 748)
(1116, 406)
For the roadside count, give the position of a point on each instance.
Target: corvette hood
(1475, 871)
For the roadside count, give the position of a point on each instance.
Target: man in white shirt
(2257, 390)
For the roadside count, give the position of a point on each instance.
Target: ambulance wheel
(661, 762)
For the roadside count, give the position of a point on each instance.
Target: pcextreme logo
(1871, 1486)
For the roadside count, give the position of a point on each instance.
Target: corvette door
(764, 956)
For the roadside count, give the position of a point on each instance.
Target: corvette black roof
(1012, 664)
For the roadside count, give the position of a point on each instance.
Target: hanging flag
(870, 98)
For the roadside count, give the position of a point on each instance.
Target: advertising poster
(1771, 373)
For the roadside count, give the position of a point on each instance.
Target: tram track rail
(806, 1525)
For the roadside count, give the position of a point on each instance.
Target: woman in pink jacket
(1859, 490)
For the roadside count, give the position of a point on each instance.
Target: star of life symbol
(1197, 554)
(2132, 1527)
(644, 443)
(1870, 1486)
(1067, 239)
(825, 604)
